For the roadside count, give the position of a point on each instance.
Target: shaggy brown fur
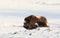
(42, 21)
(30, 22)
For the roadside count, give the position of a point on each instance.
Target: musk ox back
(32, 22)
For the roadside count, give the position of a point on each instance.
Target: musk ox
(32, 22)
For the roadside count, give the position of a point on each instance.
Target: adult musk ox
(32, 22)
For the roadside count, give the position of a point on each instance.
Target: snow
(11, 27)
(20, 32)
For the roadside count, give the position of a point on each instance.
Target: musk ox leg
(42, 24)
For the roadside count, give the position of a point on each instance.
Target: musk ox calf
(32, 22)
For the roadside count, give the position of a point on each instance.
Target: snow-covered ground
(11, 27)
(13, 12)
